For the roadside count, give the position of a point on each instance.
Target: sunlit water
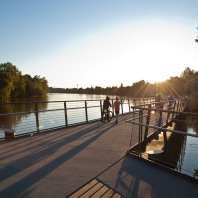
(53, 114)
(179, 152)
(190, 161)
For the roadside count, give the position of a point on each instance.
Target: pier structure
(94, 160)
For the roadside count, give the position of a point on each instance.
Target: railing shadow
(47, 137)
(20, 187)
(134, 177)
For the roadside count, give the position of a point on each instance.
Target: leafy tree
(36, 86)
(13, 83)
(187, 73)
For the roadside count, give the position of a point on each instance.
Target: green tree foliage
(36, 86)
(13, 83)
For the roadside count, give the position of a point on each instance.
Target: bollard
(9, 134)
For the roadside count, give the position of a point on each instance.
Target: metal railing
(166, 137)
(34, 117)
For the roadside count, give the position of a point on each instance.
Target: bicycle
(104, 116)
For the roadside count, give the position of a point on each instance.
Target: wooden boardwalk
(95, 189)
(88, 161)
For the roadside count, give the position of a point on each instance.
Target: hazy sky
(99, 42)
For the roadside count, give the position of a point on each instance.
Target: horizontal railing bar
(40, 111)
(167, 101)
(163, 129)
(33, 102)
(46, 102)
(168, 111)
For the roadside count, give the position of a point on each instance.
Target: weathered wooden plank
(116, 196)
(108, 194)
(84, 189)
(92, 190)
(101, 192)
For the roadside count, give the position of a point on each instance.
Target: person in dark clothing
(158, 100)
(171, 101)
(106, 105)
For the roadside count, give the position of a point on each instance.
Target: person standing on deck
(158, 100)
(171, 101)
(106, 106)
(116, 106)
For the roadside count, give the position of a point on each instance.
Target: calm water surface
(24, 123)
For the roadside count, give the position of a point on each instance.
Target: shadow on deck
(58, 163)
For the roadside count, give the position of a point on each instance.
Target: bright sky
(99, 42)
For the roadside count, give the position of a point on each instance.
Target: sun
(157, 53)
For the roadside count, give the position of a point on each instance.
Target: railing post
(160, 124)
(141, 121)
(129, 105)
(180, 106)
(147, 123)
(160, 119)
(86, 113)
(168, 114)
(37, 117)
(122, 105)
(65, 108)
(177, 105)
(101, 111)
(112, 108)
(174, 109)
(140, 131)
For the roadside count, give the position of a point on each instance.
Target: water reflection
(31, 122)
(176, 151)
(192, 124)
(172, 147)
(26, 105)
(26, 122)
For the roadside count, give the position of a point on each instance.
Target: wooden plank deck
(95, 189)
(58, 163)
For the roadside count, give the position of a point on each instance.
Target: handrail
(162, 129)
(168, 132)
(68, 117)
(40, 111)
(33, 102)
(167, 111)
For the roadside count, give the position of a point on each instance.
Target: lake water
(52, 113)
(58, 97)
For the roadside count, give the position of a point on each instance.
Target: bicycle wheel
(104, 118)
(110, 115)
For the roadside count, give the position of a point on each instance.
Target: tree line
(178, 86)
(184, 85)
(14, 84)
